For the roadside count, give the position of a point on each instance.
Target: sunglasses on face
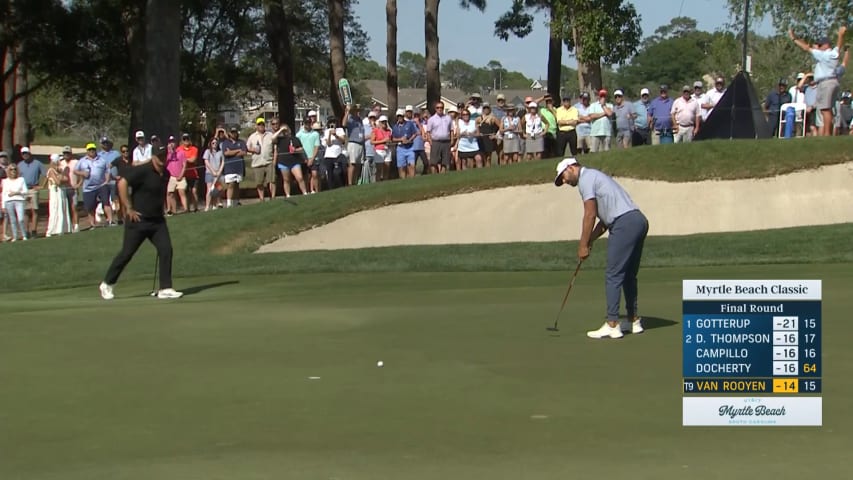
(124, 151)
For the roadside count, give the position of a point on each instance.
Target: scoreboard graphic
(751, 352)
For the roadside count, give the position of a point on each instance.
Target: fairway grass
(215, 385)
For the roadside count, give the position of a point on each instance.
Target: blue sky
(469, 35)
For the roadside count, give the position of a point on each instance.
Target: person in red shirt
(189, 153)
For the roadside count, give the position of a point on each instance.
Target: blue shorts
(91, 199)
(285, 168)
(405, 156)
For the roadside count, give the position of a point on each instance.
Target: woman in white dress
(59, 218)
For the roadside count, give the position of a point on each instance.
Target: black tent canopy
(738, 114)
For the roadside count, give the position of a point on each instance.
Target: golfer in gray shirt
(604, 198)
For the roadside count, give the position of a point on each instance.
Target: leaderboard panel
(751, 353)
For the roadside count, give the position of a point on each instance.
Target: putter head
(552, 329)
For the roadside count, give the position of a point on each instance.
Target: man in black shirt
(144, 220)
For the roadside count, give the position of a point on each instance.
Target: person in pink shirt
(686, 115)
(176, 166)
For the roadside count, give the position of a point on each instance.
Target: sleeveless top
(533, 124)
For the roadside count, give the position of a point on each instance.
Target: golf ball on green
(380, 363)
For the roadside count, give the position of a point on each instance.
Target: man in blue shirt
(31, 171)
(95, 172)
(773, 104)
(660, 119)
(642, 134)
(233, 149)
(825, 74)
(604, 198)
(404, 132)
(355, 141)
(112, 157)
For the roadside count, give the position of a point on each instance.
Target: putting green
(216, 385)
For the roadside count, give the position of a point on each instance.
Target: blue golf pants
(624, 251)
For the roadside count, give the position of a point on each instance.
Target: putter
(154, 280)
(566, 297)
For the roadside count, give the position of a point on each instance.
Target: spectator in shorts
(809, 88)
(176, 167)
(189, 154)
(118, 171)
(32, 172)
(584, 125)
(534, 128)
(510, 133)
(438, 130)
(623, 110)
(288, 156)
(260, 145)
(418, 145)
(355, 142)
(686, 115)
(309, 137)
(488, 127)
(380, 138)
(468, 147)
(214, 162)
(69, 164)
(825, 75)
(601, 129)
(95, 173)
(233, 149)
(403, 134)
(844, 114)
(112, 157)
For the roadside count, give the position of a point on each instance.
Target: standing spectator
(310, 140)
(214, 162)
(118, 171)
(453, 112)
(368, 170)
(403, 134)
(142, 151)
(499, 111)
(260, 145)
(511, 135)
(112, 157)
(488, 127)
(233, 149)
(58, 219)
(288, 156)
(624, 113)
(189, 154)
(660, 118)
(825, 75)
(96, 176)
(69, 164)
(474, 107)
(549, 114)
(584, 126)
(844, 114)
(421, 145)
(601, 129)
(355, 142)
(809, 89)
(773, 103)
(32, 172)
(642, 134)
(712, 98)
(566, 118)
(334, 140)
(698, 91)
(469, 149)
(4, 164)
(380, 138)
(14, 197)
(686, 116)
(534, 128)
(177, 183)
(438, 129)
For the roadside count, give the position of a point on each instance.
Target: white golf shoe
(169, 293)
(106, 291)
(605, 331)
(634, 327)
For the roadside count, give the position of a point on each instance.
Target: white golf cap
(561, 167)
(139, 134)
(618, 93)
(25, 150)
(532, 105)
(452, 109)
(371, 114)
(644, 91)
(383, 118)
(400, 113)
(410, 108)
(55, 157)
(698, 84)
(801, 76)
(312, 113)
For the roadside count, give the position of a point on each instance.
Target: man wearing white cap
(796, 94)
(142, 151)
(642, 134)
(712, 98)
(604, 198)
(623, 111)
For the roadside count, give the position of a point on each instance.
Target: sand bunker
(540, 213)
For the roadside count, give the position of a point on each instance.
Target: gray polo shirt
(612, 200)
(623, 113)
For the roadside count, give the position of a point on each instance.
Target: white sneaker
(169, 293)
(605, 331)
(106, 291)
(634, 327)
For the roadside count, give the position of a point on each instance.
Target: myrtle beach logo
(733, 412)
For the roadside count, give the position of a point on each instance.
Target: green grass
(215, 386)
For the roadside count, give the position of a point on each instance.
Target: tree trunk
(337, 55)
(22, 134)
(555, 57)
(433, 74)
(8, 103)
(277, 25)
(132, 19)
(162, 96)
(391, 53)
(589, 71)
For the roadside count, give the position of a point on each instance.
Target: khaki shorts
(263, 175)
(174, 184)
(31, 202)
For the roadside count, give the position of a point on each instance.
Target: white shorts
(174, 184)
(233, 178)
(355, 152)
(382, 155)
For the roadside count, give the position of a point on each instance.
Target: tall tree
(816, 18)
(278, 23)
(337, 55)
(519, 22)
(411, 70)
(162, 95)
(433, 73)
(391, 53)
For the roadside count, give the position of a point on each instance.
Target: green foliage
(608, 30)
(411, 71)
(809, 19)
(361, 68)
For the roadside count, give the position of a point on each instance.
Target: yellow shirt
(564, 114)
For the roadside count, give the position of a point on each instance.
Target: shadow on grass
(650, 323)
(201, 288)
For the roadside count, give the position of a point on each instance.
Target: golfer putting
(144, 219)
(604, 198)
